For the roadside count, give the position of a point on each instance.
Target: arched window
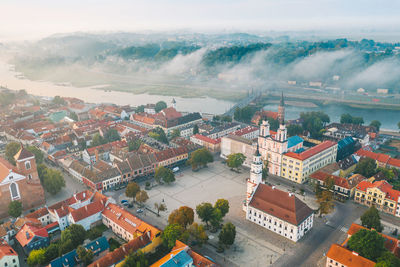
(14, 191)
(27, 165)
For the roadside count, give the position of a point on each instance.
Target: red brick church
(20, 182)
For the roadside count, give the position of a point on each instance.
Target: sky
(32, 19)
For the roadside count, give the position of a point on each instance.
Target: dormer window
(27, 165)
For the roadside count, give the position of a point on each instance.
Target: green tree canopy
(97, 140)
(200, 158)
(159, 135)
(371, 219)
(39, 156)
(142, 197)
(12, 149)
(85, 255)
(53, 181)
(205, 212)
(164, 174)
(175, 133)
(377, 124)
(197, 233)
(57, 100)
(160, 207)
(160, 105)
(366, 167)
(136, 259)
(368, 243)
(172, 233)
(294, 129)
(387, 259)
(183, 216)
(132, 189)
(227, 234)
(134, 144)
(314, 122)
(15, 208)
(347, 118)
(112, 135)
(36, 258)
(222, 205)
(235, 160)
(75, 233)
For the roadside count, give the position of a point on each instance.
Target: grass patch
(114, 244)
(96, 232)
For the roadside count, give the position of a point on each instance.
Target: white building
(273, 209)
(236, 144)
(8, 256)
(398, 208)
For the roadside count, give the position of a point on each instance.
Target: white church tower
(255, 176)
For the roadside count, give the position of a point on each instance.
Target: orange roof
(207, 139)
(170, 113)
(28, 232)
(6, 249)
(128, 221)
(86, 211)
(179, 246)
(322, 176)
(384, 186)
(38, 213)
(144, 119)
(5, 168)
(347, 257)
(394, 162)
(383, 158)
(312, 151)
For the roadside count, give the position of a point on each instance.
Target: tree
(53, 181)
(216, 219)
(41, 169)
(160, 207)
(205, 212)
(235, 160)
(15, 208)
(85, 255)
(12, 149)
(97, 140)
(132, 189)
(329, 183)
(314, 122)
(387, 259)
(159, 135)
(377, 124)
(197, 233)
(74, 116)
(183, 216)
(36, 257)
(171, 233)
(366, 167)
(325, 202)
(371, 219)
(57, 100)
(160, 105)
(196, 128)
(222, 205)
(346, 118)
(142, 197)
(175, 133)
(368, 243)
(136, 259)
(140, 109)
(134, 144)
(112, 135)
(39, 156)
(75, 234)
(200, 158)
(294, 129)
(51, 252)
(227, 234)
(164, 174)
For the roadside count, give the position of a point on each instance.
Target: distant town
(106, 185)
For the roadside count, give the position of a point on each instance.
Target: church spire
(282, 103)
(281, 111)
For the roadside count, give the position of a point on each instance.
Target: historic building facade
(20, 182)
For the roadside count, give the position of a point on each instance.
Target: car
(125, 204)
(130, 206)
(139, 211)
(124, 201)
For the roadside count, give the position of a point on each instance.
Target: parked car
(125, 204)
(130, 206)
(139, 211)
(124, 201)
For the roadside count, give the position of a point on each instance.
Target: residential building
(20, 182)
(126, 225)
(248, 132)
(31, 237)
(298, 166)
(98, 246)
(88, 215)
(341, 256)
(273, 209)
(8, 256)
(222, 130)
(150, 108)
(42, 215)
(214, 145)
(382, 160)
(380, 194)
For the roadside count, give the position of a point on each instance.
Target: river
(91, 95)
(388, 118)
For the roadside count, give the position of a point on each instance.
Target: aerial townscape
(200, 133)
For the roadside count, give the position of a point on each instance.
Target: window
(29, 176)
(27, 165)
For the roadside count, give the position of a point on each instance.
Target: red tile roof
(6, 249)
(207, 139)
(245, 130)
(86, 211)
(348, 257)
(384, 186)
(322, 176)
(28, 232)
(382, 158)
(38, 213)
(312, 151)
(280, 204)
(170, 113)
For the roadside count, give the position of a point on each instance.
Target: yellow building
(380, 194)
(298, 166)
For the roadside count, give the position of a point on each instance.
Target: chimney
(355, 253)
(148, 234)
(273, 187)
(290, 194)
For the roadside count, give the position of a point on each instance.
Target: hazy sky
(26, 19)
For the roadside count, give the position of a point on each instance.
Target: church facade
(20, 182)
